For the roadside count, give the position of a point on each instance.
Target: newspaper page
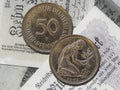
(1, 7)
(117, 2)
(13, 11)
(111, 8)
(13, 49)
(106, 36)
(14, 77)
(11, 77)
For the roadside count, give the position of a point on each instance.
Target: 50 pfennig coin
(74, 60)
(44, 25)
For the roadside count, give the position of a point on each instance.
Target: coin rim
(24, 19)
(91, 76)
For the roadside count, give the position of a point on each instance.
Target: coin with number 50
(44, 25)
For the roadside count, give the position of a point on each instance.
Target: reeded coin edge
(92, 75)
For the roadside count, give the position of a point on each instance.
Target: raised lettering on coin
(45, 24)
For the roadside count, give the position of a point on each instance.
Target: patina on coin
(74, 60)
(44, 25)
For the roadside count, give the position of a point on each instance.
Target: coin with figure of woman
(74, 60)
(44, 24)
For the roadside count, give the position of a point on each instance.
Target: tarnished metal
(44, 25)
(74, 60)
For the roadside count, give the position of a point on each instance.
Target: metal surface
(44, 24)
(74, 60)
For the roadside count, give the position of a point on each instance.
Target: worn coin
(74, 60)
(44, 25)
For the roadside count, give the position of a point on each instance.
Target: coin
(74, 60)
(44, 25)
